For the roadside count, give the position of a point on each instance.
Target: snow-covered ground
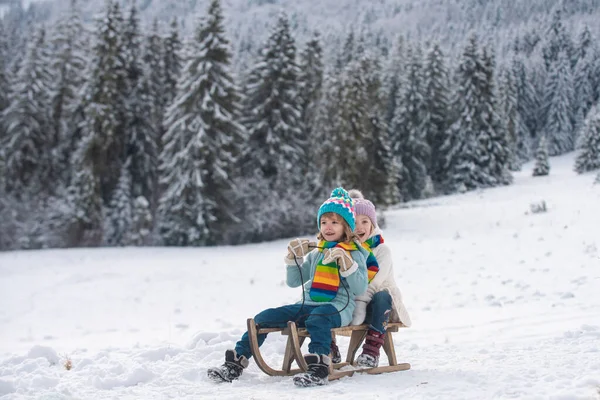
(505, 304)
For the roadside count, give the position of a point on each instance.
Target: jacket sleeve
(356, 276)
(297, 276)
(384, 260)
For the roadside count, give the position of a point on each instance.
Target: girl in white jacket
(382, 302)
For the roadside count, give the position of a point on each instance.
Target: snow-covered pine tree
(132, 46)
(584, 44)
(492, 138)
(352, 159)
(512, 122)
(172, 60)
(200, 148)
(311, 80)
(154, 69)
(119, 218)
(436, 109)
(527, 108)
(69, 46)
(542, 165)
(380, 180)
(328, 130)
(272, 112)
(105, 102)
(4, 82)
(408, 138)
(142, 134)
(583, 83)
(558, 40)
(141, 222)
(588, 158)
(459, 150)
(558, 102)
(392, 74)
(83, 213)
(27, 142)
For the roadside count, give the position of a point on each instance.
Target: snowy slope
(505, 304)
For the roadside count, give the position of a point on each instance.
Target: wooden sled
(296, 337)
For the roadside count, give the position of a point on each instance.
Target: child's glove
(360, 312)
(298, 248)
(340, 256)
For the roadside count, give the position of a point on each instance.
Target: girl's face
(332, 227)
(364, 227)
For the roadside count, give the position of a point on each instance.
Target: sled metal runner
(296, 337)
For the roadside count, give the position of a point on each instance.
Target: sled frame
(296, 337)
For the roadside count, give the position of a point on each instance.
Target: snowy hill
(504, 302)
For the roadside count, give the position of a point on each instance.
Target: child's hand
(340, 256)
(298, 248)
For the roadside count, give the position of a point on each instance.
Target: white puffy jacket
(383, 280)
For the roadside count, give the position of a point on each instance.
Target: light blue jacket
(353, 281)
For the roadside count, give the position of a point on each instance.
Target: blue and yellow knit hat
(340, 203)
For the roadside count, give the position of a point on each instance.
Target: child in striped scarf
(332, 273)
(382, 302)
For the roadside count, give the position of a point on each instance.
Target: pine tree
(436, 108)
(351, 158)
(105, 108)
(172, 63)
(588, 158)
(4, 83)
(142, 133)
(460, 147)
(120, 214)
(394, 70)
(558, 41)
(154, 69)
(512, 122)
(527, 106)
(542, 166)
(272, 110)
(379, 180)
(493, 154)
(83, 214)
(141, 224)
(199, 155)
(27, 143)
(69, 46)
(558, 102)
(311, 78)
(408, 136)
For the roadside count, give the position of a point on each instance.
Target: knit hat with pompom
(363, 206)
(340, 203)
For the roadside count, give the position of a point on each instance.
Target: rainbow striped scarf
(372, 266)
(326, 281)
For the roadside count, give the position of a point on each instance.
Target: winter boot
(336, 357)
(318, 371)
(232, 368)
(370, 353)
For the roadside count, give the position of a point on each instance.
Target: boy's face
(332, 227)
(364, 227)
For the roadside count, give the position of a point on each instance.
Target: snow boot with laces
(232, 368)
(370, 353)
(318, 371)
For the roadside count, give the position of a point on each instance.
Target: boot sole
(216, 375)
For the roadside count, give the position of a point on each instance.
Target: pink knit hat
(363, 206)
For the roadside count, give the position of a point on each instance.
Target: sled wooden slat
(254, 348)
(296, 337)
